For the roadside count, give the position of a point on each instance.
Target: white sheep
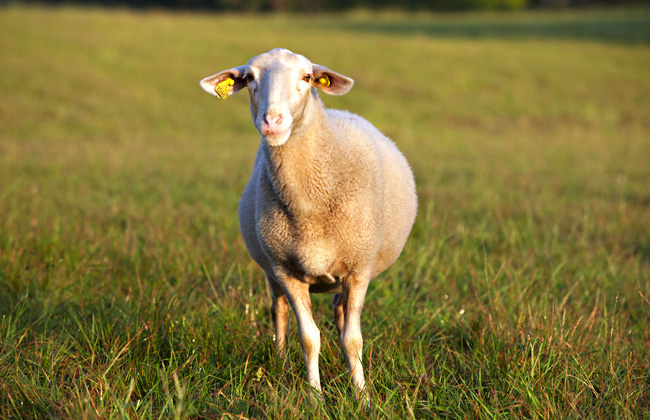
(329, 205)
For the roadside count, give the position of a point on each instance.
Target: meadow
(126, 291)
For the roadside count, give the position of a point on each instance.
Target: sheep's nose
(271, 122)
(273, 119)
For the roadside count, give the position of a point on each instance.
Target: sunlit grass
(126, 290)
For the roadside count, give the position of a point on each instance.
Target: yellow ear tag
(325, 80)
(223, 88)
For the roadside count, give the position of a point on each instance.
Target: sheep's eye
(307, 78)
(248, 78)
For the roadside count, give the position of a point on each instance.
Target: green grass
(126, 291)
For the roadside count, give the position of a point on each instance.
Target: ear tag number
(325, 80)
(223, 88)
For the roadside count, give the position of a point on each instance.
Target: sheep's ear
(331, 82)
(225, 83)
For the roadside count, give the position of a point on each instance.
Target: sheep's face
(280, 85)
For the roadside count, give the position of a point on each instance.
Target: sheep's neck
(301, 169)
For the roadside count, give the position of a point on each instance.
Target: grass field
(126, 291)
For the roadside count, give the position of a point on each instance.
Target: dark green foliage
(310, 6)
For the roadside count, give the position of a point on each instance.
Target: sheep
(330, 203)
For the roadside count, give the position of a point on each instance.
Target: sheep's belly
(315, 260)
(305, 248)
(316, 263)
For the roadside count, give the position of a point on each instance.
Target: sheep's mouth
(276, 138)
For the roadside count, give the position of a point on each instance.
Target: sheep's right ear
(219, 84)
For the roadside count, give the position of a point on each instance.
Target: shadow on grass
(620, 27)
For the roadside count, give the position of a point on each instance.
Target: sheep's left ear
(225, 82)
(331, 82)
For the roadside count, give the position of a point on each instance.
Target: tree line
(342, 5)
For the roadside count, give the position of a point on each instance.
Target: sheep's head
(280, 84)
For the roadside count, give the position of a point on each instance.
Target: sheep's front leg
(349, 307)
(280, 314)
(298, 294)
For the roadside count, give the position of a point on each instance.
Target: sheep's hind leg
(280, 314)
(351, 305)
(337, 307)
